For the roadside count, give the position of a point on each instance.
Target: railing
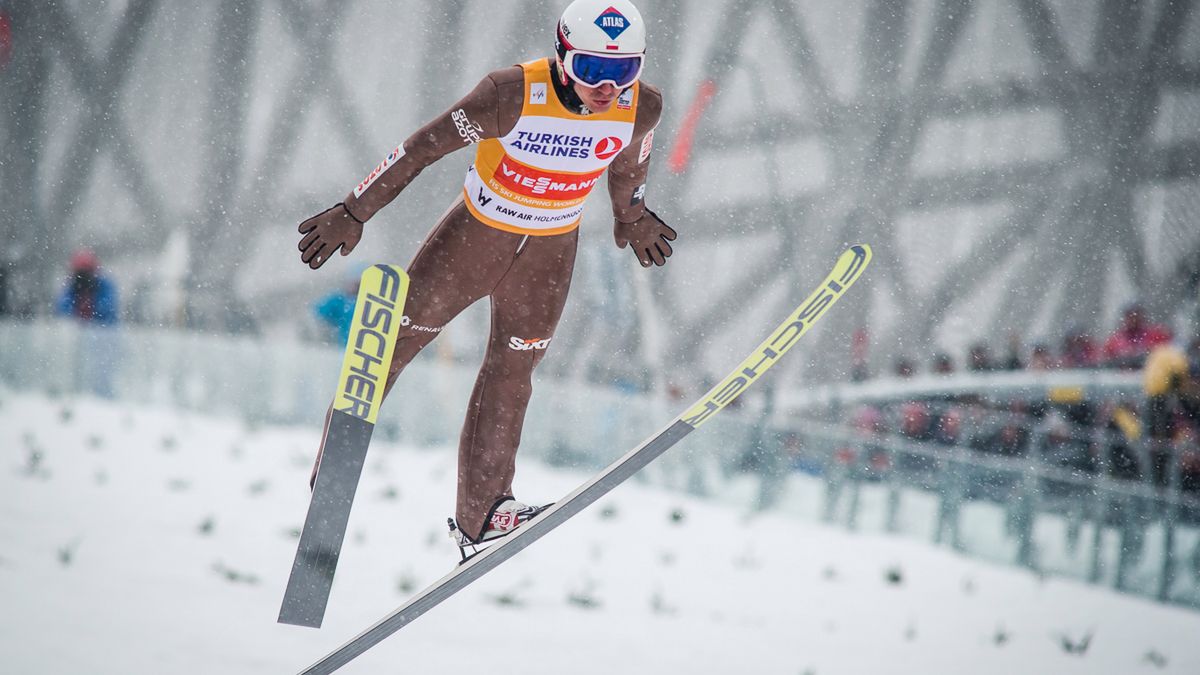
(284, 381)
(1023, 383)
(773, 453)
(1130, 535)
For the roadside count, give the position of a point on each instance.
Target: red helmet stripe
(563, 38)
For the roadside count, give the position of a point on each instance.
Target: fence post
(961, 467)
(834, 479)
(1171, 495)
(945, 490)
(857, 470)
(1027, 506)
(1132, 538)
(892, 521)
(769, 462)
(1100, 496)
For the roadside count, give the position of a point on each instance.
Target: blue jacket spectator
(88, 295)
(336, 310)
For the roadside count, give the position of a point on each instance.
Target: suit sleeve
(627, 174)
(483, 113)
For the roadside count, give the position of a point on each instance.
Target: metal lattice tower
(1017, 164)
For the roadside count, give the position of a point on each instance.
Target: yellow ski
(377, 314)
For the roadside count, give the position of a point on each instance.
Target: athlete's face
(599, 99)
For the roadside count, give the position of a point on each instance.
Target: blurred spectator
(1081, 412)
(1124, 432)
(1128, 346)
(916, 422)
(90, 297)
(3, 290)
(800, 457)
(949, 427)
(1010, 440)
(1013, 360)
(336, 310)
(1188, 442)
(1079, 350)
(871, 424)
(980, 358)
(5, 38)
(1040, 358)
(860, 457)
(1034, 409)
(1187, 434)
(943, 364)
(859, 345)
(1063, 447)
(1172, 409)
(903, 367)
(868, 421)
(1165, 379)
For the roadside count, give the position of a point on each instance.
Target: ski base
(316, 560)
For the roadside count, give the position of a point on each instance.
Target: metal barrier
(283, 381)
(1137, 537)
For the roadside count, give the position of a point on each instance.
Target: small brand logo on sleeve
(388, 161)
(638, 195)
(466, 128)
(537, 93)
(647, 146)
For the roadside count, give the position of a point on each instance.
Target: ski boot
(506, 515)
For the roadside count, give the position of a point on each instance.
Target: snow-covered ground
(152, 541)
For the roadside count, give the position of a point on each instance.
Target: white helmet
(601, 41)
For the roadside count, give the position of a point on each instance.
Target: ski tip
(861, 250)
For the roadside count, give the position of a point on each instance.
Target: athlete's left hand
(649, 236)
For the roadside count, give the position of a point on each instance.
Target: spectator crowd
(1151, 437)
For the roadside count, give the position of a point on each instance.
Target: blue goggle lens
(591, 69)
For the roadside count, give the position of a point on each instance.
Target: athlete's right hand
(327, 231)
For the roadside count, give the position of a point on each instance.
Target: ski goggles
(592, 70)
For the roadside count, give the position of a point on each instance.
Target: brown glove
(648, 235)
(325, 232)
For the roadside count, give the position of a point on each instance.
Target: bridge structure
(1019, 166)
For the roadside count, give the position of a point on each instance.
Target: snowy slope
(150, 541)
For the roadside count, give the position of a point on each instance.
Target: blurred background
(1015, 378)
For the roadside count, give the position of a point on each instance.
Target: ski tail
(849, 268)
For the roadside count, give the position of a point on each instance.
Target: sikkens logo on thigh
(527, 344)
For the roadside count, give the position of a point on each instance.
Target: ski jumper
(511, 237)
